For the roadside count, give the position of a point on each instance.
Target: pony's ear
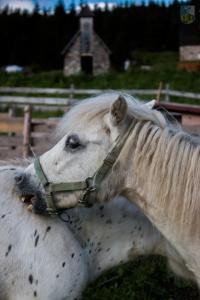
(151, 104)
(118, 110)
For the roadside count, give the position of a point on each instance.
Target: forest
(36, 39)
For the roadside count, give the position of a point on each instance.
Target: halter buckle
(51, 211)
(83, 201)
(90, 186)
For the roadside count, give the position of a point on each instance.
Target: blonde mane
(167, 161)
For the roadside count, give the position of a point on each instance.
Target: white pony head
(90, 129)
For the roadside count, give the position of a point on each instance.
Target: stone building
(189, 40)
(86, 52)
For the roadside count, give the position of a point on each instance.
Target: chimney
(86, 30)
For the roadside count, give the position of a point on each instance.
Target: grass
(163, 69)
(147, 278)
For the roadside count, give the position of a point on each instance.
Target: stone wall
(190, 53)
(101, 60)
(72, 62)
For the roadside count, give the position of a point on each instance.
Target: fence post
(72, 91)
(12, 111)
(159, 91)
(27, 131)
(167, 95)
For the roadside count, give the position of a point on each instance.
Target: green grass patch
(163, 68)
(147, 278)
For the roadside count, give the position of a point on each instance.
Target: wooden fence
(23, 136)
(72, 93)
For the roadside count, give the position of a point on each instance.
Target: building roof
(86, 12)
(71, 42)
(75, 37)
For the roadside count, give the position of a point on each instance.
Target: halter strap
(40, 173)
(88, 185)
(111, 157)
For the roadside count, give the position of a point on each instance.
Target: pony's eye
(73, 142)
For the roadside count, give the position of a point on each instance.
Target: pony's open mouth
(29, 200)
(33, 202)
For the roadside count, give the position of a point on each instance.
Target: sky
(50, 4)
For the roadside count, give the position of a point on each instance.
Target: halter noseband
(88, 186)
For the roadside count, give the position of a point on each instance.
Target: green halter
(89, 185)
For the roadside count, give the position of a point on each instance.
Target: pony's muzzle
(29, 193)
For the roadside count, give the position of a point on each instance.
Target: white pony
(157, 168)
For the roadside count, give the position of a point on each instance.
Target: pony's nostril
(19, 178)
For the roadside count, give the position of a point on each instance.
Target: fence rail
(19, 133)
(43, 101)
(72, 92)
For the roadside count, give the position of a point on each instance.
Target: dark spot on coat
(9, 249)
(35, 232)
(72, 255)
(47, 230)
(63, 264)
(3, 216)
(36, 240)
(101, 207)
(30, 278)
(108, 249)
(35, 294)
(108, 221)
(102, 216)
(57, 276)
